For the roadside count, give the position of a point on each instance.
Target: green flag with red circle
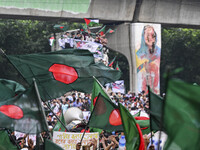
(62, 71)
(97, 88)
(23, 113)
(105, 115)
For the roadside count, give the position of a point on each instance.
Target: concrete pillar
(122, 42)
(144, 62)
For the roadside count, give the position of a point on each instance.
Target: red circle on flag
(64, 73)
(12, 111)
(94, 100)
(115, 118)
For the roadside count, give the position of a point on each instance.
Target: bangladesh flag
(5, 143)
(61, 71)
(105, 115)
(110, 31)
(49, 145)
(23, 113)
(9, 89)
(102, 30)
(117, 67)
(97, 88)
(181, 115)
(59, 126)
(61, 27)
(133, 134)
(91, 21)
(112, 62)
(156, 106)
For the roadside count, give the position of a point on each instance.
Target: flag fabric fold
(132, 131)
(59, 72)
(9, 89)
(59, 126)
(155, 106)
(49, 145)
(23, 113)
(181, 115)
(5, 143)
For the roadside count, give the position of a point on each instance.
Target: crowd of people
(133, 102)
(68, 40)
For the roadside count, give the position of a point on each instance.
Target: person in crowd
(86, 104)
(78, 103)
(92, 143)
(65, 105)
(61, 42)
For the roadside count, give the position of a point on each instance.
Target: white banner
(68, 140)
(93, 47)
(118, 86)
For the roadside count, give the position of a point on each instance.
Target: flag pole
(150, 114)
(101, 86)
(40, 102)
(89, 118)
(13, 139)
(55, 116)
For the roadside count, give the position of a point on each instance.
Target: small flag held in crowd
(51, 41)
(91, 21)
(117, 67)
(102, 30)
(112, 62)
(61, 27)
(110, 31)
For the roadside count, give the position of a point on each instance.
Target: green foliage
(25, 36)
(181, 48)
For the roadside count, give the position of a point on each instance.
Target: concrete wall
(105, 10)
(170, 12)
(122, 42)
(174, 12)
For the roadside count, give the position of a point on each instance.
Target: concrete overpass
(173, 12)
(119, 13)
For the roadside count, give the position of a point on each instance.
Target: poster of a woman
(148, 58)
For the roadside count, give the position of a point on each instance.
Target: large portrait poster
(68, 140)
(148, 52)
